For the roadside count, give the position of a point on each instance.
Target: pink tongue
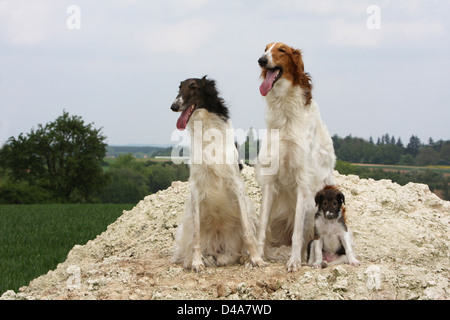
(183, 119)
(268, 81)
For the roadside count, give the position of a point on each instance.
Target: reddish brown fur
(293, 69)
(343, 214)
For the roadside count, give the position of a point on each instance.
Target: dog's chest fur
(298, 142)
(330, 232)
(214, 164)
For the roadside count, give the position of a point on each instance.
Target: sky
(377, 66)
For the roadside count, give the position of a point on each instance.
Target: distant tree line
(389, 150)
(137, 151)
(131, 180)
(436, 181)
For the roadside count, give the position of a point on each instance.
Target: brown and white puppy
(333, 239)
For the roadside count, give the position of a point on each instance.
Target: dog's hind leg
(197, 263)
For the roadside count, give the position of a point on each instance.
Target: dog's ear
(319, 197)
(341, 197)
(297, 57)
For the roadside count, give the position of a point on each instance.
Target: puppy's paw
(354, 263)
(316, 265)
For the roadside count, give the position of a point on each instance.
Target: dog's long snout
(263, 61)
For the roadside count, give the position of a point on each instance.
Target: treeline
(137, 151)
(436, 181)
(131, 180)
(391, 151)
(128, 180)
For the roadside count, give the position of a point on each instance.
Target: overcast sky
(377, 66)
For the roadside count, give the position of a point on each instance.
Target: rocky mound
(401, 235)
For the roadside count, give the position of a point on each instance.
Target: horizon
(165, 145)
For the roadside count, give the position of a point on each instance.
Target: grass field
(35, 238)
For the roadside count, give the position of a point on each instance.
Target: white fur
(306, 161)
(219, 224)
(268, 55)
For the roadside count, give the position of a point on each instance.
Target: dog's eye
(335, 203)
(281, 50)
(324, 202)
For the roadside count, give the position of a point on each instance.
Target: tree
(445, 153)
(64, 156)
(407, 160)
(413, 146)
(427, 156)
(400, 143)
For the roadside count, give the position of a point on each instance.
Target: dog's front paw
(198, 266)
(256, 262)
(316, 265)
(293, 265)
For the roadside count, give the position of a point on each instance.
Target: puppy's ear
(341, 197)
(319, 198)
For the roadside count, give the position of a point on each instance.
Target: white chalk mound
(401, 235)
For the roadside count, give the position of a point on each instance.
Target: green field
(35, 238)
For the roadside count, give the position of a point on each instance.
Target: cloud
(27, 22)
(357, 34)
(186, 37)
(424, 29)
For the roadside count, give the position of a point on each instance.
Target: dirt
(401, 235)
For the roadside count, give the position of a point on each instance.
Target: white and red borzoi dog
(219, 224)
(305, 156)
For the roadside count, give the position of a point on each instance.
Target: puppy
(333, 240)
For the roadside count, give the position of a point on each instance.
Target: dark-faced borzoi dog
(305, 158)
(333, 240)
(219, 225)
